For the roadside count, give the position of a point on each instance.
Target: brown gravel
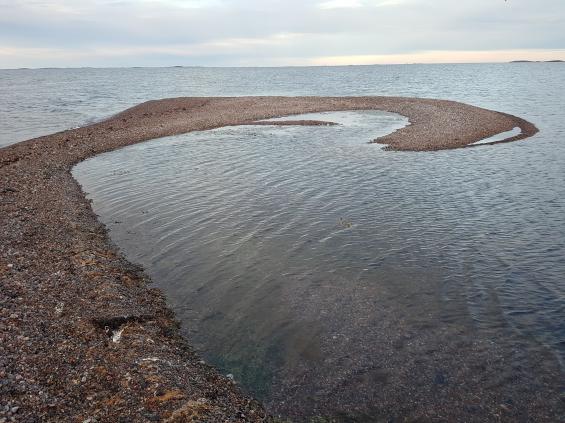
(82, 337)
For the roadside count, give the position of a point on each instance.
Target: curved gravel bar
(82, 336)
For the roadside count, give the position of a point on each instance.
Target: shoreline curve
(83, 336)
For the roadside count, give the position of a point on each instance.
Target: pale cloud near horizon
(338, 4)
(46, 33)
(352, 4)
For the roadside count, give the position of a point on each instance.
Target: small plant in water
(345, 223)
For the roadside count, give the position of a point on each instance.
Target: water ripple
(241, 226)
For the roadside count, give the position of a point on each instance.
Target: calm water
(37, 102)
(310, 264)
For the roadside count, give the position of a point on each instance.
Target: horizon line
(281, 66)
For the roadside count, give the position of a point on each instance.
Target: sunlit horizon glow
(124, 33)
(75, 59)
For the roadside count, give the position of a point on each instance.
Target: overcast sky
(47, 33)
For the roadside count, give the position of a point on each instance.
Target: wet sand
(82, 335)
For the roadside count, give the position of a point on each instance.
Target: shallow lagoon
(326, 273)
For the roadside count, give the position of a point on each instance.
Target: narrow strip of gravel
(82, 336)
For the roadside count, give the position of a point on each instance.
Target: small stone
(14, 410)
(59, 309)
(440, 378)
(152, 417)
(10, 266)
(229, 376)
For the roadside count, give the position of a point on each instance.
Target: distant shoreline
(537, 61)
(276, 67)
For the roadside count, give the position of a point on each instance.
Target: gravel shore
(82, 336)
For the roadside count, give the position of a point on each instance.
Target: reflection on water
(327, 274)
(502, 136)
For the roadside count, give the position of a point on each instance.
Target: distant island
(537, 61)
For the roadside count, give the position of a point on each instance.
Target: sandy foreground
(82, 336)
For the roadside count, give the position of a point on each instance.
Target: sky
(108, 33)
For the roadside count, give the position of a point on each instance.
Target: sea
(319, 271)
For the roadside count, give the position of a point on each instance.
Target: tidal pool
(331, 277)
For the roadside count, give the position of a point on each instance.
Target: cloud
(353, 4)
(340, 4)
(228, 32)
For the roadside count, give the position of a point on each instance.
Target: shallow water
(319, 269)
(277, 246)
(500, 137)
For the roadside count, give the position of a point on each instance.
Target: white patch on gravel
(117, 335)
